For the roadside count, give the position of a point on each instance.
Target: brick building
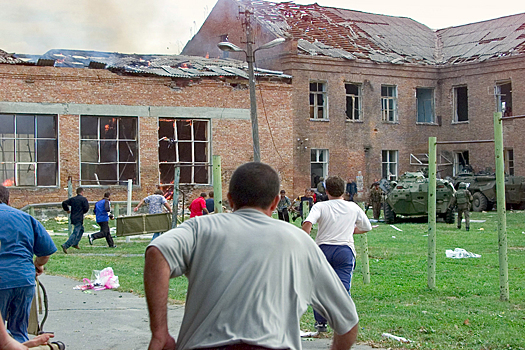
(368, 89)
(104, 118)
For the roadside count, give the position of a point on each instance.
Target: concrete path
(107, 319)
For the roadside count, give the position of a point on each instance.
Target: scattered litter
(425, 235)
(481, 229)
(395, 337)
(396, 228)
(104, 279)
(393, 236)
(95, 226)
(460, 253)
(373, 220)
(308, 334)
(474, 220)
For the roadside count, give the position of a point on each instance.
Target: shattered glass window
(425, 105)
(353, 101)
(460, 104)
(389, 161)
(28, 150)
(389, 103)
(318, 100)
(184, 143)
(108, 150)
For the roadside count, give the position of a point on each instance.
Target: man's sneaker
(90, 239)
(321, 327)
(76, 246)
(468, 228)
(112, 246)
(64, 250)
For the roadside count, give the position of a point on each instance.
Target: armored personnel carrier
(483, 189)
(409, 197)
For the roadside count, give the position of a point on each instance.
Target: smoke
(159, 26)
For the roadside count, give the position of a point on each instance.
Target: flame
(8, 182)
(207, 55)
(106, 127)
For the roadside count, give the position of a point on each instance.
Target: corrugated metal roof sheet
(177, 66)
(9, 58)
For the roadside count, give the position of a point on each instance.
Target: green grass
(463, 312)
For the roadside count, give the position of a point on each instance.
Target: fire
(8, 182)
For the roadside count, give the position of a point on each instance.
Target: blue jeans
(76, 236)
(15, 305)
(155, 235)
(342, 260)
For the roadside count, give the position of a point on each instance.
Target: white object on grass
(395, 337)
(460, 253)
(396, 228)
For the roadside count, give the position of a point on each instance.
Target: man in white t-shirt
(338, 221)
(250, 277)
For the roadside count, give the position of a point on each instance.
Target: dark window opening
(461, 103)
(504, 97)
(353, 101)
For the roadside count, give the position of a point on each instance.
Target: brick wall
(231, 138)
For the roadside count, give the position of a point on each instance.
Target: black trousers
(283, 215)
(104, 233)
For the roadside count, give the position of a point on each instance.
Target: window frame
(193, 164)
(432, 106)
(34, 163)
(507, 111)
(324, 163)
(465, 155)
(359, 98)
(387, 163)
(510, 163)
(313, 96)
(386, 111)
(100, 141)
(457, 105)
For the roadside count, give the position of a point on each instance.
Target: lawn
(463, 312)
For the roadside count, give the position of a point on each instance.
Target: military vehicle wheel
(390, 215)
(480, 202)
(490, 206)
(449, 216)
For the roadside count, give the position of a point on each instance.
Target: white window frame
(389, 161)
(457, 162)
(509, 161)
(389, 104)
(455, 96)
(314, 100)
(503, 106)
(420, 119)
(12, 178)
(119, 181)
(321, 156)
(357, 103)
(194, 165)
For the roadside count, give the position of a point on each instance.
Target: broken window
(425, 105)
(353, 101)
(504, 99)
(389, 103)
(184, 143)
(461, 104)
(318, 165)
(108, 150)
(318, 100)
(461, 162)
(389, 164)
(28, 150)
(509, 161)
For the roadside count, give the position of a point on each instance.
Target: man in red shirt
(198, 206)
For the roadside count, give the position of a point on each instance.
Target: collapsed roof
(176, 66)
(355, 35)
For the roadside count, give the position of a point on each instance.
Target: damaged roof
(176, 66)
(355, 35)
(9, 58)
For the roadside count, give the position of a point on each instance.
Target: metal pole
(432, 167)
(217, 184)
(364, 259)
(502, 216)
(175, 203)
(250, 58)
(128, 209)
(69, 195)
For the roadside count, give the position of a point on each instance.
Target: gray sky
(164, 26)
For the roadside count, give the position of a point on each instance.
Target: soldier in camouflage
(376, 196)
(463, 198)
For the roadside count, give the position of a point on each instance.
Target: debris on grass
(395, 337)
(460, 253)
(396, 228)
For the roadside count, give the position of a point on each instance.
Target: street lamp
(250, 58)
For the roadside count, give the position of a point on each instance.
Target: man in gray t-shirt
(250, 277)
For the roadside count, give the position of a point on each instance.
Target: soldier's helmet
(462, 186)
